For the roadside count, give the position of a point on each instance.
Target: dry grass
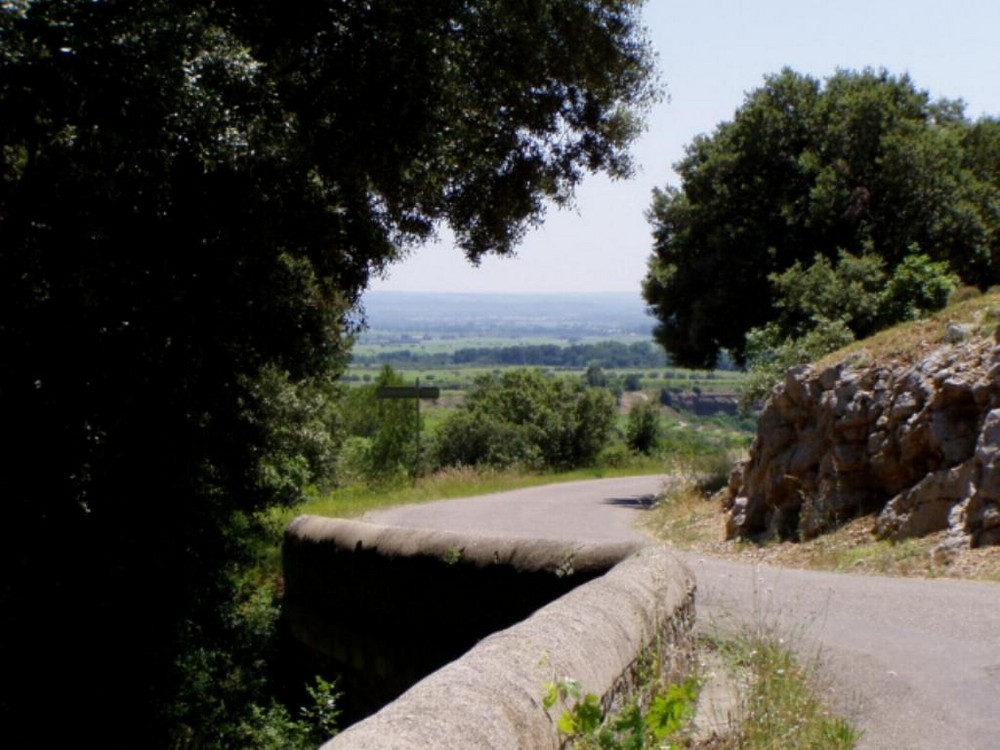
(687, 518)
(913, 340)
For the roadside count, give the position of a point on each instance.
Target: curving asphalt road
(915, 662)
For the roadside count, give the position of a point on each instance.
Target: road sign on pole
(409, 391)
(416, 393)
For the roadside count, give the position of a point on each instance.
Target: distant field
(461, 378)
(483, 316)
(421, 326)
(379, 342)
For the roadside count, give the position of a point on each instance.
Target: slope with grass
(904, 425)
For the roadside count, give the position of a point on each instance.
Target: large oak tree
(193, 196)
(864, 163)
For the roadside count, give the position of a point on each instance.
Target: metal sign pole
(416, 455)
(416, 393)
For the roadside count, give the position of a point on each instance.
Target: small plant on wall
(585, 726)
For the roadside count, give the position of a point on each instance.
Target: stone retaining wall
(385, 606)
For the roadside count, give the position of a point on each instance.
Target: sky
(711, 54)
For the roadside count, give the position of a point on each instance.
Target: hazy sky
(711, 53)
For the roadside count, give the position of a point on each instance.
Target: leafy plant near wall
(228, 698)
(634, 728)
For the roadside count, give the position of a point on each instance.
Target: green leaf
(669, 712)
(589, 714)
(567, 723)
(551, 695)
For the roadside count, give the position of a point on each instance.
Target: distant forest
(607, 354)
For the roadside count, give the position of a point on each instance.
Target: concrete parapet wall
(376, 601)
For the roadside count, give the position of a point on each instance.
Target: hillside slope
(905, 425)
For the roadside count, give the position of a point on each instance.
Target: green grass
(349, 502)
(878, 555)
(780, 709)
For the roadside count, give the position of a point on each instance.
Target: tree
(644, 433)
(865, 163)
(193, 196)
(595, 377)
(523, 417)
(389, 427)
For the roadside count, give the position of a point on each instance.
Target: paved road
(916, 663)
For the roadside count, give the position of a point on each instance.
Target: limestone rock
(917, 442)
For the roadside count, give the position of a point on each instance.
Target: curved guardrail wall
(497, 618)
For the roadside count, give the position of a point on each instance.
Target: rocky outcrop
(914, 440)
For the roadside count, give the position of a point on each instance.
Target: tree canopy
(864, 163)
(193, 196)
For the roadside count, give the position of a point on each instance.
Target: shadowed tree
(193, 196)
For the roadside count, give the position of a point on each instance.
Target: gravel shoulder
(915, 662)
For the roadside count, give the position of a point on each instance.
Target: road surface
(916, 663)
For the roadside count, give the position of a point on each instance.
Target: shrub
(918, 286)
(632, 382)
(526, 417)
(770, 355)
(824, 307)
(467, 439)
(643, 433)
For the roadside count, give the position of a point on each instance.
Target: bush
(824, 307)
(847, 292)
(632, 382)
(227, 696)
(918, 286)
(526, 417)
(615, 456)
(467, 439)
(643, 433)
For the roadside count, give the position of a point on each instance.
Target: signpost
(416, 393)
(409, 391)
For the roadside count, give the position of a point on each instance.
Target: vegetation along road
(915, 662)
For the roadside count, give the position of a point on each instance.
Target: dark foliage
(192, 197)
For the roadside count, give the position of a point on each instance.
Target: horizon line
(519, 292)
